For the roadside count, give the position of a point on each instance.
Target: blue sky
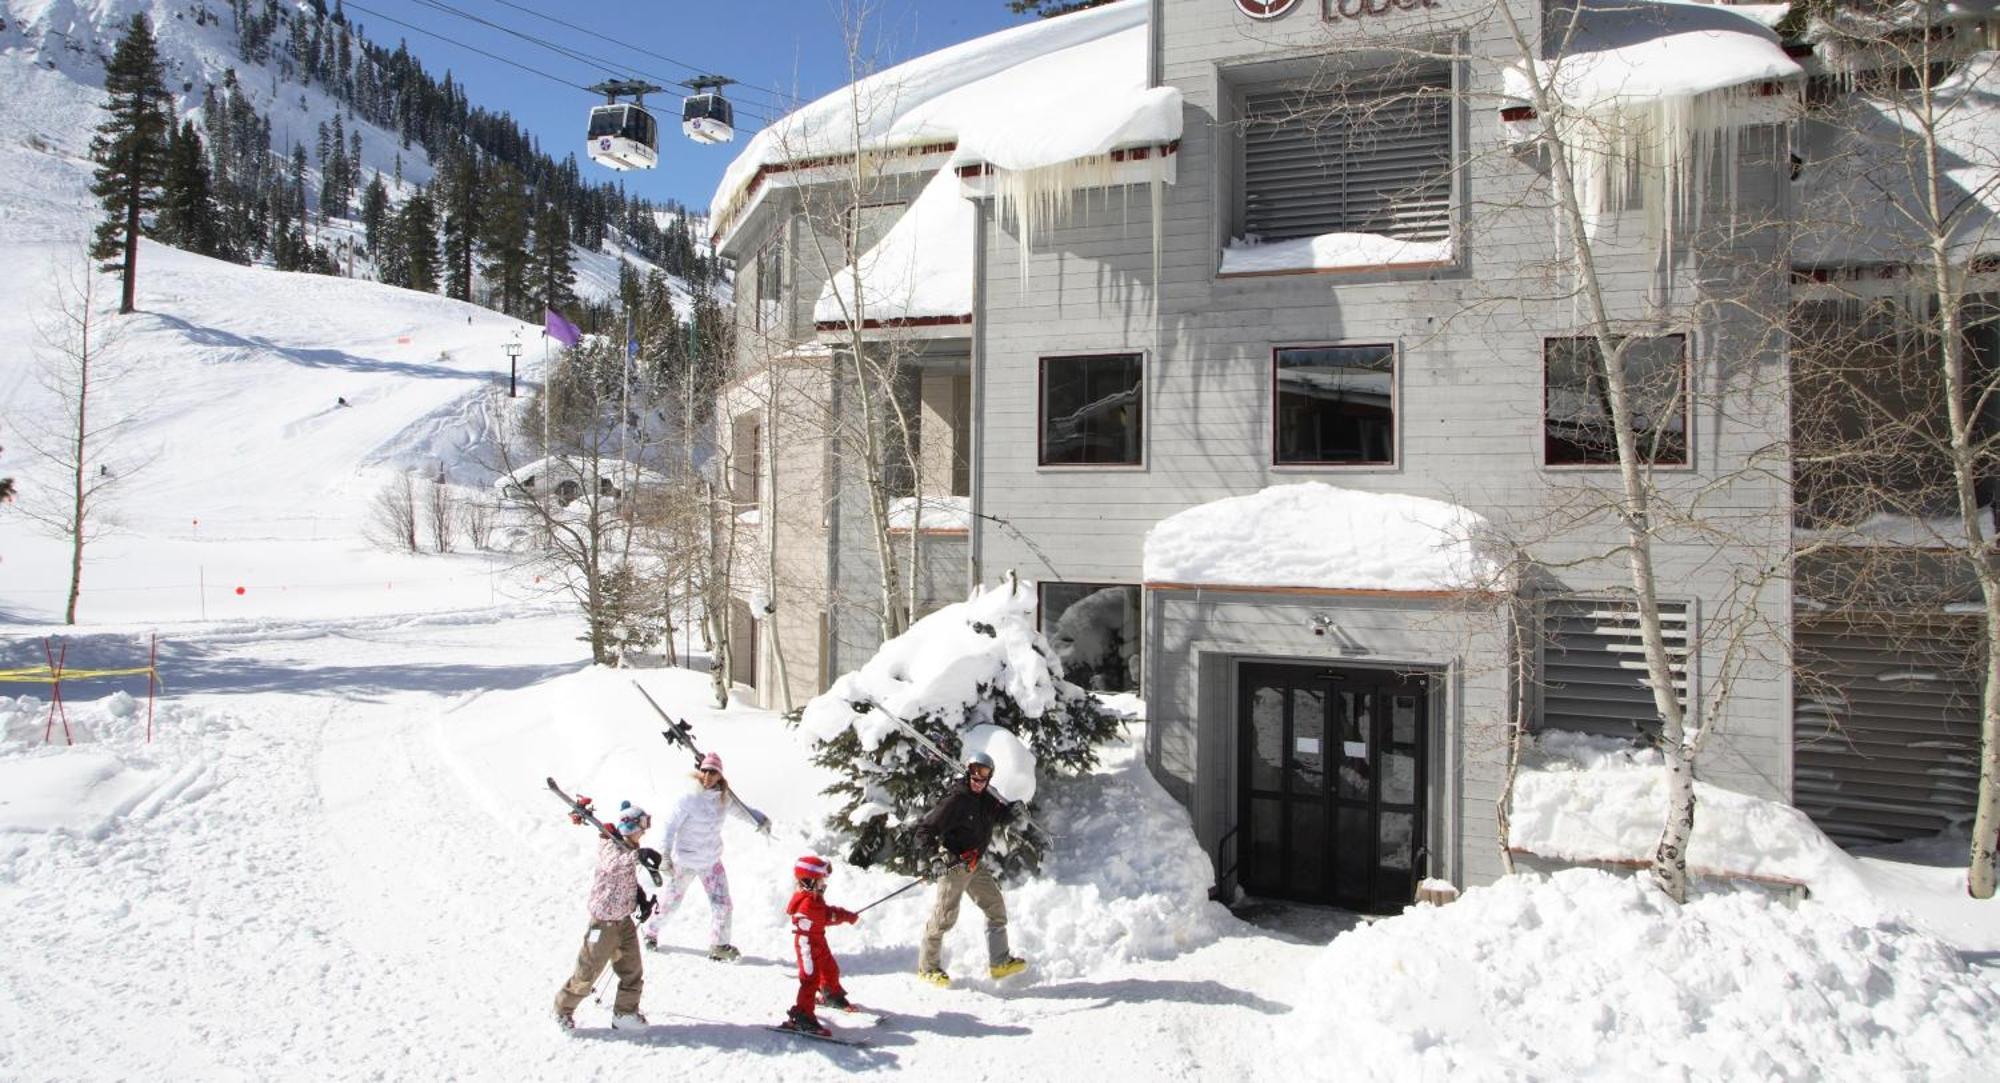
(784, 51)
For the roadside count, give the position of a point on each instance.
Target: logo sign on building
(1265, 9)
(1337, 10)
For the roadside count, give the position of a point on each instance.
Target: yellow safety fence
(47, 675)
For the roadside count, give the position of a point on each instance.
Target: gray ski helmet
(979, 759)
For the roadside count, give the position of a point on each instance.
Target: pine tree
(504, 241)
(131, 152)
(417, 230)
(550, 278)
(188, 215)
(459, 198)
(375, 213)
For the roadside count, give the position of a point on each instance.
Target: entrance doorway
(1333, 777)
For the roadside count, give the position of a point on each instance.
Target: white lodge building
(1227, 321)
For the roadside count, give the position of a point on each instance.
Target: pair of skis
(580, 811)
(682, 734)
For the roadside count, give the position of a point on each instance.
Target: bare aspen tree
(1901, 337)
(586, 519)
(79, 441)
(440, 513)
(394, 517)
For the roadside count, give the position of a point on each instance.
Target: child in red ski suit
(810, 915)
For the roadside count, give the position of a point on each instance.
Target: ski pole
(949, 866)
(892, 894)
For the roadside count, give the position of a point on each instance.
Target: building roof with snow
(1321, 537)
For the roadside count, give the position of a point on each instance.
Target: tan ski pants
(957, 883)
(607, 942)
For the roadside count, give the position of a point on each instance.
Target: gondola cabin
(707, 116)
(624, 136)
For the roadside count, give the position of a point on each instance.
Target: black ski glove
(645, 905)
(650, 858)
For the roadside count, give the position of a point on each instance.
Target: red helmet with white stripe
(812, 867)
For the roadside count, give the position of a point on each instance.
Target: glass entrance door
(1332, 783)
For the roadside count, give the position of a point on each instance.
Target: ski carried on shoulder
(581, 812)
(681, 734)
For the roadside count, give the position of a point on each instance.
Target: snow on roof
(1316, 535)
(1640, 51)
(1025, 97)
(1860, 172)
(921, 268)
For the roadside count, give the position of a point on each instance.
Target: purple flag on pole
(560, 329)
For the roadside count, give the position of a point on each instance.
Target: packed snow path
(327, 893)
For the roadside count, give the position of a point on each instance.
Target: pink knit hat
(712, 762)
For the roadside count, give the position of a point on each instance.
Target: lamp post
(513, 349)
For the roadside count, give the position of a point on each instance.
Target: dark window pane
(1403, 723)
(1353, 850)
(1398, 840)
(1091, 410)
(1399, 778)
(1094, 629)
(1335, 405)
(1263, 861)
(1577, 404)
(1307, 875)
(1308, 772)
(1350, 722)
(606, 120)
(1267, 739)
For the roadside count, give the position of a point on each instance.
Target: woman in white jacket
(692, 843)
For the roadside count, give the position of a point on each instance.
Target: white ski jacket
(693, 835)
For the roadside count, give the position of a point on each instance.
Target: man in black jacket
(961, 827)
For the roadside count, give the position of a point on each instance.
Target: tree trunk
(129, 299)
(79, 477)
(1669, 864)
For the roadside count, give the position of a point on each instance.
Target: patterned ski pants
(716, 882)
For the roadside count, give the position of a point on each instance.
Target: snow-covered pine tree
(979, 662)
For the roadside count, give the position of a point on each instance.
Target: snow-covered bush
(980, 662)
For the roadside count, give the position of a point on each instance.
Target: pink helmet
(711, 762)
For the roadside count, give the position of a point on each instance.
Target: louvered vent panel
(1885, 724)
(1367, 157)
(1594, 665)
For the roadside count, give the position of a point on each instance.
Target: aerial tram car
(624, 135)
(707, 116)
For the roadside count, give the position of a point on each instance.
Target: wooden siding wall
(1468, 381)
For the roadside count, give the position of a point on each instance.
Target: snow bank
(954, 660)
(1317, 535)
(1581, 798)
(1124, 880)
(110, 773)
(1587, 974)
(1330, 251)
(921, 267)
